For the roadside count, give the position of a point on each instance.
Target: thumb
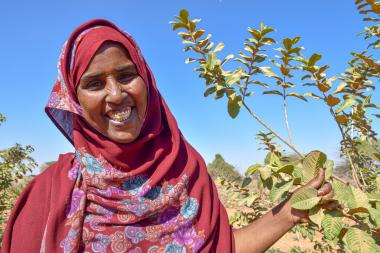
(318, 180)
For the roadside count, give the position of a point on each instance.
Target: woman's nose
(115, 92)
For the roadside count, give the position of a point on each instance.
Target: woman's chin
(122, 137)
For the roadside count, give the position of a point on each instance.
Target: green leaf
(252, 169)
(184, 15)
(340, 191)
(296, 39)
(275, 92)
(177, 25)
(313, 59)
(246, 181)
(297, 172)
(279, 189)
(311, 163)
(316, 215)
(346, 103)
(287, 169)
(341, 119)
(203, 42)
(359, 241)
(356, 198)
(188, 60)
(340, 87)
(198, 34)
(312, 95)
(209, 91)
(329, 168)
(234, 104)
(235, 76)
(271, 159)
(287, 43)
(255, 33)
(219, 47)
(265, 172)
(332, 100)
(374, 196)
(305, 199)
(228, 57)
(295, 94)
(269, 73)
(332, 224)
(375, 216)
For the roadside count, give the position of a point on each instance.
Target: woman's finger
(328, 196)
(318, 180)
(325, 189)
(331, 204)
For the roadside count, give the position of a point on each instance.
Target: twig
(286, 118)
(354, 170)
(254, 115)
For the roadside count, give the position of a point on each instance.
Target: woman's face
(112, 94)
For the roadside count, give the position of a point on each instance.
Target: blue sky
(33, 32)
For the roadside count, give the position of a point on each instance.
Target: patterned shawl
(151, 195)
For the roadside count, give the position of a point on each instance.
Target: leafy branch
(276, 174)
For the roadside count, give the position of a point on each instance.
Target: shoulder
(58, 168)
(41, 185)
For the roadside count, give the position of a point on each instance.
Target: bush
(15, 163)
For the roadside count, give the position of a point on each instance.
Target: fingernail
(321, 193)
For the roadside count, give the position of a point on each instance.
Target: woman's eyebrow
(125, 67)
(90, 75)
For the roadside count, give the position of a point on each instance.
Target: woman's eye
(96, 84)
(126, 77)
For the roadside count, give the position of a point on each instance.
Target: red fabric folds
(151, 195)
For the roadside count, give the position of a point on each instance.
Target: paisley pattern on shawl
(142, 217)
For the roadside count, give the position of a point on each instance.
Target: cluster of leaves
(355, 224)
(218, 81)
(307, 232)
(247, 203)
(219, 168)
(15, 163)
(371, 9)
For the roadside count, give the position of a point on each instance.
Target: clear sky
(33, 32)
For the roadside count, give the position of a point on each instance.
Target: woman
(134, 183)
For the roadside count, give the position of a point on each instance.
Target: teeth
(120, 115)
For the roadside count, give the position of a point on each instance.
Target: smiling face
(112, 94)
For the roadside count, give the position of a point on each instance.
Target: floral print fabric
(112, 211)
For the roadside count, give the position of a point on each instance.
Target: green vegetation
(15, 163)
(355, 224)
(219, 168)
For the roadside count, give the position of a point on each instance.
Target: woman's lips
(122, 116)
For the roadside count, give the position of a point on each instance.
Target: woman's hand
(273, 225)
(324, 190)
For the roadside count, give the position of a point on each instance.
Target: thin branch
(353, 167)
(272, 131)
(286, 117)
(254, 115)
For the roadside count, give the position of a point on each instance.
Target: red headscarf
(151, 195)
